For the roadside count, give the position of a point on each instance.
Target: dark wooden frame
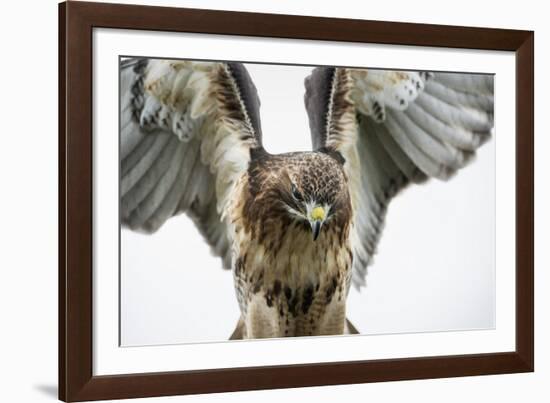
(76, 22)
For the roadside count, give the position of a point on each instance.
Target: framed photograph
(252, 201)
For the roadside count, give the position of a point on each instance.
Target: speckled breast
(299, 289)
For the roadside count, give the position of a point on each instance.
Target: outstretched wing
(186, 133)
(394, 128)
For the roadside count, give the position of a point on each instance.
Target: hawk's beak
(315, 229)
(316, 221)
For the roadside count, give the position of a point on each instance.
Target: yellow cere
(318, 213)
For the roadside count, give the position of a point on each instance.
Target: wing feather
(458, 137)
(471, 83)
(142, 193)
(148, 160)
(468, 118)
(398, 156)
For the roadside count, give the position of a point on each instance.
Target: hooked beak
(317, 218)
(315, 229)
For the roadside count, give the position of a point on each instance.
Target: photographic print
(256, 201)
(352, 201)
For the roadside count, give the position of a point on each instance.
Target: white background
(434, 270)
(29, 203)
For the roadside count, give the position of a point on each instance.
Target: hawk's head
(309, 188)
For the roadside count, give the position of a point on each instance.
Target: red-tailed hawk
(296, 229)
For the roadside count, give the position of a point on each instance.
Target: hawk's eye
(296, 193)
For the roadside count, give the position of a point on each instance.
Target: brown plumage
(287, 283)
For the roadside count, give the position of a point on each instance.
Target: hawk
(296, 229)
